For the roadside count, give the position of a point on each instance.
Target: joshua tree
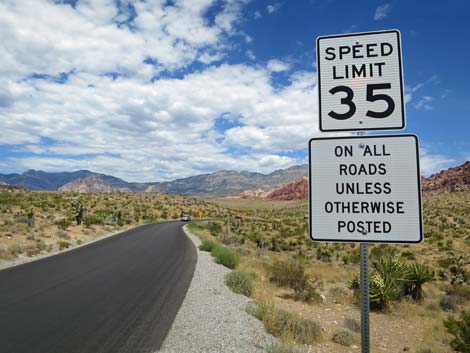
(78, 210)
(31, 218)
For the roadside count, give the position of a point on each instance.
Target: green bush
(225, 256)
(91, 219)
(64, 223)
(282, 323)
(425, 350)
(352, 324)
(292, 274)
(16, 249)
(282, 347)
(260, 310)
(344, 337)
(283, 273)
(207, 245)
(239, 282)
(460, 329)
(215, 228)
(63, 245)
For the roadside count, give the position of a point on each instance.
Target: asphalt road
(117, 295)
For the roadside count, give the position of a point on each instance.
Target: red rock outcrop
(452, 179)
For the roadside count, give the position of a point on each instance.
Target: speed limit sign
(360, 81)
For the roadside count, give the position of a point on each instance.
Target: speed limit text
(358, 51)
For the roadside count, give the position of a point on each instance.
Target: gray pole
(365, 304)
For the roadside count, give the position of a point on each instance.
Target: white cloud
(166, 126)
(433, 163)
(424, 103)
(129, 125)
(382, 11)
(89, 39)
(275, 65)
(273, 8)
(249, 54)
(257, 14)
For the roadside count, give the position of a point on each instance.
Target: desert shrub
(425, 350)
(460, 329)
(15, 249)
(63, 245)
(63, 234)
(215, 228)
(5, 254)
(324, 253)
(260, 310)
(352, 257)
(449, 302)
(383, 251)
(462, 292)
(292, 274)
(444, 263)
(239, 282)
(282, 323)
(305, 289)
(207, 245)
(459, 273)
(64, 223)
(339, 294)
(407, 254)
(304, 331)
(417, 275)
(283, 273)
(352, 324)
(344, 337)
(225, 256)
(282, 347)
(92, 219)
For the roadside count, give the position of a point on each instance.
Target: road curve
(117, 295)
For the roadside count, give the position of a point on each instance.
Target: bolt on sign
(365, 189)
(360, 81)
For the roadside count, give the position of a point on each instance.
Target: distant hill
(39, 180)
(296, 190)
(452, 179)
(231, 183)
(91, 184)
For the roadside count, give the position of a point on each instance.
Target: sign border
(402, 88)
(421, 236)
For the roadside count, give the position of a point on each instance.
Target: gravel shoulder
(212, 319)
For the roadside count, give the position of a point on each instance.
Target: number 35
(371, 97)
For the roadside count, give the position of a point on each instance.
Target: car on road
(185, 218)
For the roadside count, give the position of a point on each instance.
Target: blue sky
(166, 89)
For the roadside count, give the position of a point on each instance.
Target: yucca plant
(394, 275)
(418, 274)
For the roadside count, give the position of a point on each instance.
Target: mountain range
(218, 184)
(282, 184)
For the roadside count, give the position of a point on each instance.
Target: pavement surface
(119, 295)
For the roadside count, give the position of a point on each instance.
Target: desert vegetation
(418, 293)
(33, 223)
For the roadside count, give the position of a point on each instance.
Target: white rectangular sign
(365, 189)
(360, 81)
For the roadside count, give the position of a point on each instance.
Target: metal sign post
(365, 302)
